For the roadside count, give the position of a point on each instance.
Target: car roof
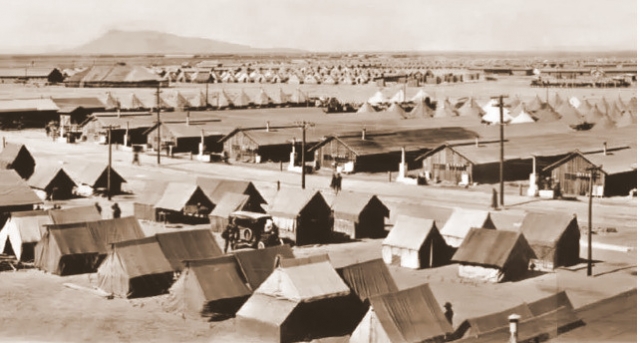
(250, 215)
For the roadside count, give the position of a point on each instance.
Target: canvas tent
(492, 113)
(92, 178)
(407, 316)
(180, 200)
(18, 158)
(52, 182)
(135, 268)
(555, 239)
(461, 221)
(399, 97)
(420, 96)
(21, 232)
(79, 248)
(378, 99)
(493, 255)
(75, 215)
(359, 216)
(229, 203)
(16, 194)
(396, 112)
(368, 279)
(302, 216)
(179, 246)
(366, 108)
(421, 110)
(415, 243)
(216, 189)
(257, 264)
(300, 300)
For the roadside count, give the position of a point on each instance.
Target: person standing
(136, 157)
(334, 180)
(338, 183)
(229, 234)
(98, 207)
(448, 313)
(116, 210)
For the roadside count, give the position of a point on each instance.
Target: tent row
(544, 242)
(54, 182)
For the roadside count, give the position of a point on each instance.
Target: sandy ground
(37, 307)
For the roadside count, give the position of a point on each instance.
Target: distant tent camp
(520, 116)
(79, 248)
(223, 100)
(461, 221)
(183, 245)
(302, 299)
(21, 233)
(366, 108)
(262, 99)
(535, 104)
(555, 239)
(605, 123)
(445, 110)
(570, 115)
(392, 317)
(396, 111)
(135, 268)
(399, 97)
(93, 179)
(52, 182)
(302, 216)
(242, 100)
(378, 99)
(415, 243)
(471, 109)
(18, 158)
(16, 194)
(359, 216)
(493, 255)
(547, 114)
(298, 97)
(420, 96)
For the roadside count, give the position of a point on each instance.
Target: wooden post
(109, 166)
(158, 121)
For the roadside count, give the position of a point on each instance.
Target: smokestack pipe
(268, 127)
(188, 115)
(364, 133)
(477, 142)
(604, 148)
(513, 328)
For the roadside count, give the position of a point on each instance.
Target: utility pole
(109, 128)
(591, 171)
(158, 121)
(206, 96)
(501, 105)
(304, 125)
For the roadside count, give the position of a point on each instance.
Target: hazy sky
(328, 25)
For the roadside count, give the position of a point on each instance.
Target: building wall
(620, 184)
(446, 165)
(573, 177)
(335, 152)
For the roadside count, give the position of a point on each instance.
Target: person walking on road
(116, 210)
(338, 183)
(136, 157)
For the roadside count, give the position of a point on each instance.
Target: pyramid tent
(262, 99)
(535, 104)
(577, 103)
(471, 109)
(445, 110)
(399, 97)
(224, 100)
(547, 114)
(366, 108)
(182, 102)
(522, 117)
(625, 119)
(515, 102)
(281, 98)
(299, 97)
(420, 96)
(570, 115)
(492, 113)
(378, 98)
(594, 115)
(396, 111)
(557, 100)
(242, 100)
(421, 110)
(632, 106)
(111, 102)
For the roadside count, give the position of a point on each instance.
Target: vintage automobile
(253, 230)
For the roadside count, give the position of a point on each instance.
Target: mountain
(116, 42)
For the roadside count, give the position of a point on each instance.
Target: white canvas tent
(420, 96)
(399, 97)
(22, 231)
(463, 220)
(378, 98)
(492, 113)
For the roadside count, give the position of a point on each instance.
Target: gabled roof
(116, 73)
(44, 175)
(618, 161)
(347, 205)
(366, 108)
(229, 203)
(75, 215)
(483, 324)
(409, 233)
(179, 246)
(292, 201)
(267, 309)
(27, 105)
(546, 227)
(91, 173)
(304, 283)
(258, 264)
(219, 278)
(68, 105)
(176, 195)
(398, 313)
(489, 247)
(141, 257)
(462, 220)
(216, 189)
(95, 236)
(10, 153)
(15, 191)
(368, 279)
(439, 214)
(396, 111)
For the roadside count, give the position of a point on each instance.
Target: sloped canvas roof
(68, 105)
(229, 203)
(421, 111)
(267, 309)
(304, 283)
(291, 201)
(378, 98)
(75, 215)
(462, 220)
(90, 174)
(396, 111)
(141, 257)
(10, 153)
(545, 227)
(176, 195)
(439, 214)
(179, 246)
(215, 189)
(27, 105)
(366, 108)
(258, 264)
(368, 279)
(44, 175)
(348, 205)
(398, 97)
(420, 96)
(397, 313)
(490, 247)
(95, 236)
(15, 191)
(219, 278)
(490, 322)
(409, 233)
